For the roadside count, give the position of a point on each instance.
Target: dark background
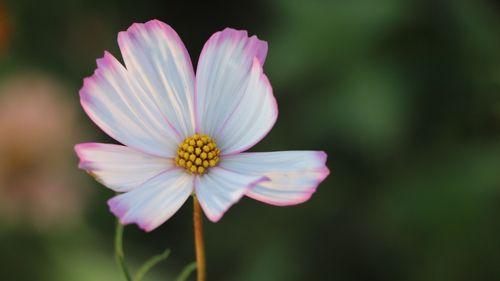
(403, 96)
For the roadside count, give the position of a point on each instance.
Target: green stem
(188, 269)
(119, 254)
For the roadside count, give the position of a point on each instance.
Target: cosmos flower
(184, 133)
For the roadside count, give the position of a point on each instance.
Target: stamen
(197, 154)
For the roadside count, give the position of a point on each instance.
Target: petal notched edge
(294, 175)
(322, 174)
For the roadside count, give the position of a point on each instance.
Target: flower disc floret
(197, 154)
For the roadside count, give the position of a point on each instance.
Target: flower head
(185, 133)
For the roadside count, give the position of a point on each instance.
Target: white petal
(155, 201)
(220, 188)
(252, 118)
(121, 109)
(119, 167)
(157, 59)
(294, 175)
(234, 99)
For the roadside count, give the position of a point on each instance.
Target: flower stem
(119, 254)
(198, 241)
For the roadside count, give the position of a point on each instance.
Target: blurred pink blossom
(37, 129)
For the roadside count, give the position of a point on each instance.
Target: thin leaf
(149, 264)
(188, 269)
(119, 254)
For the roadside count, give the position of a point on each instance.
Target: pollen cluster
(197, 153)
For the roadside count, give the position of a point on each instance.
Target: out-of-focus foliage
(404, 95)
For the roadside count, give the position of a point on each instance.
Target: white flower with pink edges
(185, 133)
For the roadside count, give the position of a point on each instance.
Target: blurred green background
(402, 94)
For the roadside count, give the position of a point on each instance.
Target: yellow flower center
(197, 153)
